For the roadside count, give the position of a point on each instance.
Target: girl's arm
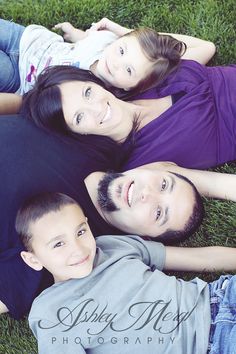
(106, 24)
(197, 49)
(210, 184)
(200, 259)
(71, 34)
(10, 103)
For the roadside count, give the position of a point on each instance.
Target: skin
(89, 109)
(117, 66)
(62, 243)
(155, 203)
(197, 49)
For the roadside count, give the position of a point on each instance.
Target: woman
(192, 111)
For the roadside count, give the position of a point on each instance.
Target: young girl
(138, 60)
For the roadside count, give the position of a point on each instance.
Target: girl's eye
(79, 117)
(158, 213)
(121, 51)
(58, 244)
(163, 185)
(129, 71)
(81, 232)
(88, 92)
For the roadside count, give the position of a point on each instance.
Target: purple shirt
(197, 131)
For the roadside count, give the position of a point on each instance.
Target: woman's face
(90, 109)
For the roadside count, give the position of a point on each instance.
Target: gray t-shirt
(126, 305)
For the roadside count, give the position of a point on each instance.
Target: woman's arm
(200, 259)
(10, 103)
(210, 184)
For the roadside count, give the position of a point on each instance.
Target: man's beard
(104, 198)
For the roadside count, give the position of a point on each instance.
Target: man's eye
(81, 232)
(128, 71)
(121, 51)
(58, 244)
(158, 213)
(163, 185)
(79, 117)
(88, 92)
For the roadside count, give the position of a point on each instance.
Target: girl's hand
(71, 34)
(106, 24)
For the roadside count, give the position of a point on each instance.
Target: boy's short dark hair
(35, 208)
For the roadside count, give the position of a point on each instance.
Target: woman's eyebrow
(173, 183)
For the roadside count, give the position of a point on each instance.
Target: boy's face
(123, 63)
(63, 243)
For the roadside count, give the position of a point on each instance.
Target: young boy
(113, 297)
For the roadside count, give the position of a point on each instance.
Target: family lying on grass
(172, 110)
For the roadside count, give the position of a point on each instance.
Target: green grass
(210, 19)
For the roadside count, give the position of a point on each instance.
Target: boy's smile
(63, 243)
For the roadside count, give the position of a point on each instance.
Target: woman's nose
(145, 194)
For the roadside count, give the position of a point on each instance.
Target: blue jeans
(10, 35)
(222, 338)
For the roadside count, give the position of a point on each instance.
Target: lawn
(210, 19)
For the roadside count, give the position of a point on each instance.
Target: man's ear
(31, 260)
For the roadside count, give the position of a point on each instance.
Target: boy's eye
(81, 232)
(79, 117)
(158, 213)
(87, 92)
(128, 71)
(163, 185)
(58, 244)
(121, 51)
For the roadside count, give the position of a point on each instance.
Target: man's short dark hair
(171, 236)
(35, 208)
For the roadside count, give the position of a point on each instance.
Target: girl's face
(123, 63)
(90, 109)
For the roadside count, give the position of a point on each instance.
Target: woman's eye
(79, 117)
(88, 92)
(121, 51)
(129, 71)
(163, 185)
(81, 232)
(58, 244)
(158, 213)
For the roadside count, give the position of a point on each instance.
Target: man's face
(146, 202)
(63, 243)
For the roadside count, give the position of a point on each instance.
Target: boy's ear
(31, 260)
